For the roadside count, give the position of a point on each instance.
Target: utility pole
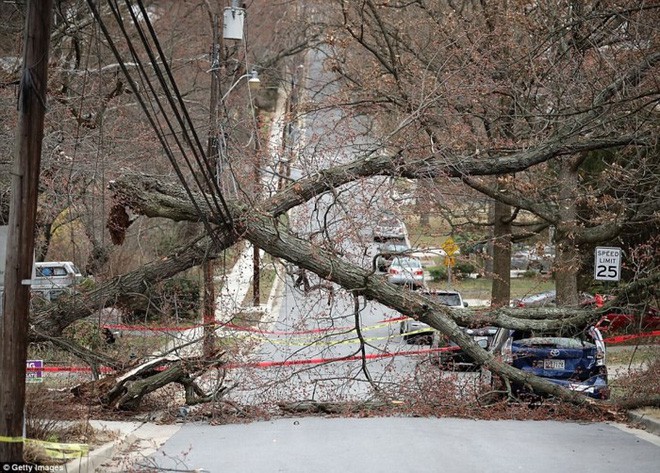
(212, 156)
(256, 263)
(20, 234)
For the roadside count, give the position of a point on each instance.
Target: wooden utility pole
(20, 234)
(256, 263)
(212, 155)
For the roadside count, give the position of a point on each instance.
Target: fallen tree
(260, 223)
(154, 198)
(126, 390)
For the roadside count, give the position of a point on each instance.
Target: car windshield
(538, 297)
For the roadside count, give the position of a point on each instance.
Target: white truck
(50, 279)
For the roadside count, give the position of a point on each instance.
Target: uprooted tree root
(126, 391)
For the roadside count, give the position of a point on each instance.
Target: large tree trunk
(54, 318)
(567, 260)
(501, 290)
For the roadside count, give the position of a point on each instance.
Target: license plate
(553, 364)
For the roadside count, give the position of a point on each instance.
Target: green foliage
(438, 273)
(87, 284)
(464, 268)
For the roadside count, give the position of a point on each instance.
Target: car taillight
(393, 271)
(419, 272)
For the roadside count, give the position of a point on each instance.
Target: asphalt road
(313, 335)
(407, 445)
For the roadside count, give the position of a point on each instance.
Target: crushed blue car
(576, 363)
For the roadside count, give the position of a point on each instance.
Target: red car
(620, 322)
(616, 322)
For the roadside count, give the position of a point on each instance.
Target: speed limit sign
(607, 264)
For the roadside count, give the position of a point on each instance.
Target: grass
(481, 288)
(431, 236)
(45, 421)
(633, 355)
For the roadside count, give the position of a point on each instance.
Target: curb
(143, 437)
(650, 423)
(101, 454)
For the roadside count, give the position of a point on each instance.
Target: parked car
(53, 278)
(628, 323)
(542, 299)
(388, 251)
(390, 228)
(520, 260)
(406, 271)
(414, 331)
(457, 359)
(549, 299)
(574, 362)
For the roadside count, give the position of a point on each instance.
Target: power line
(152, 121)
(209, 171)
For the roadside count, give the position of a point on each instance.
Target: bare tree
(451, 94)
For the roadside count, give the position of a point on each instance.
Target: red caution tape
(266, 364)
(625, 338)
(71, 369)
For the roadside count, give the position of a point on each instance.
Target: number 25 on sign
(607, 263)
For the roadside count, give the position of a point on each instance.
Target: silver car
(406, 272)
(414, 331)
(390, 228)
(388, 251)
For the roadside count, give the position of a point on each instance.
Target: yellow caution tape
(354, 340)
(53, 449)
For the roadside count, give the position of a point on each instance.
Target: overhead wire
(166, 91)
(152, 121)
(200, 156)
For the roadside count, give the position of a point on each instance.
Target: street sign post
(451, 248)
(607, 263)
(34, 372)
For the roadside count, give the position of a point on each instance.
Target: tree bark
(567, 261)
(501, 290)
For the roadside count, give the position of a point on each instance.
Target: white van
(52, 278)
